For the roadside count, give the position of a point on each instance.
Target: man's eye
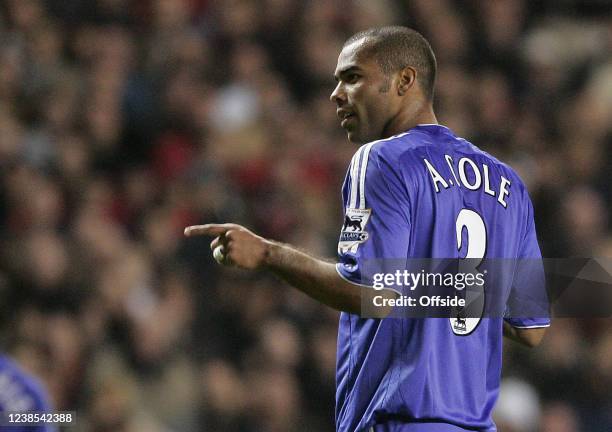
(351, 78)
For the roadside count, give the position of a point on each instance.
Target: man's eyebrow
(346, 71)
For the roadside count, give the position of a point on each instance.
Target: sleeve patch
(353, 229)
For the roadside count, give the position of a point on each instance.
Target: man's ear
(407, 78)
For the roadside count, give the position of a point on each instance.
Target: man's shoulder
(387, 149)
(470, 150)
(396, 145)
(401, 153)
(406, 144)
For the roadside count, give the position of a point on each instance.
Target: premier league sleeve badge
(353, 229)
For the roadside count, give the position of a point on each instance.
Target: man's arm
(530, 337)
(315, 277)
(528, 296)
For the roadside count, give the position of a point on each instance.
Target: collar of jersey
(432, 125)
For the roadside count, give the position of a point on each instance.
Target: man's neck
(404, 121)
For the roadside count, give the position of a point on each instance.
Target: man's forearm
(528, 337)
(314, 277)
(320, 280)
(237, 246)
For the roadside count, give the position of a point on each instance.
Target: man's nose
(338, 95)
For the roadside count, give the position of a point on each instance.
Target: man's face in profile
(362, 95)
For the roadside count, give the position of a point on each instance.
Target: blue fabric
(398, 207)
(20, 392)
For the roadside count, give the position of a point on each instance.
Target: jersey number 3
(465, 320)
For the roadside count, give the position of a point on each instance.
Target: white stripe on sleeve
(362, 175)
(354, 179)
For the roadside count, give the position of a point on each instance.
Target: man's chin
(354, 137)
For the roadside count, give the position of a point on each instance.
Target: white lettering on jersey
(481, 178)
(435, 176)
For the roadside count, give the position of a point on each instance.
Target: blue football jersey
(426, 193)
(20, 392)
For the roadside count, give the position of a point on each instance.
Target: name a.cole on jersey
(480, 178)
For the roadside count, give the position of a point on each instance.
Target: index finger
(208, 229)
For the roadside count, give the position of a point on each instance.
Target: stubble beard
(385, 87)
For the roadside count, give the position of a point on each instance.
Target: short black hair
(396, 47)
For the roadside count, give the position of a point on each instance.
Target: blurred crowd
(123, 121)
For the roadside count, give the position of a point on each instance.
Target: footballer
(413, 190)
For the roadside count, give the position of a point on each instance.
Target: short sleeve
(376, 227)
(528, 305)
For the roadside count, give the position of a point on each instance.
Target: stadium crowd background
(123, 121)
